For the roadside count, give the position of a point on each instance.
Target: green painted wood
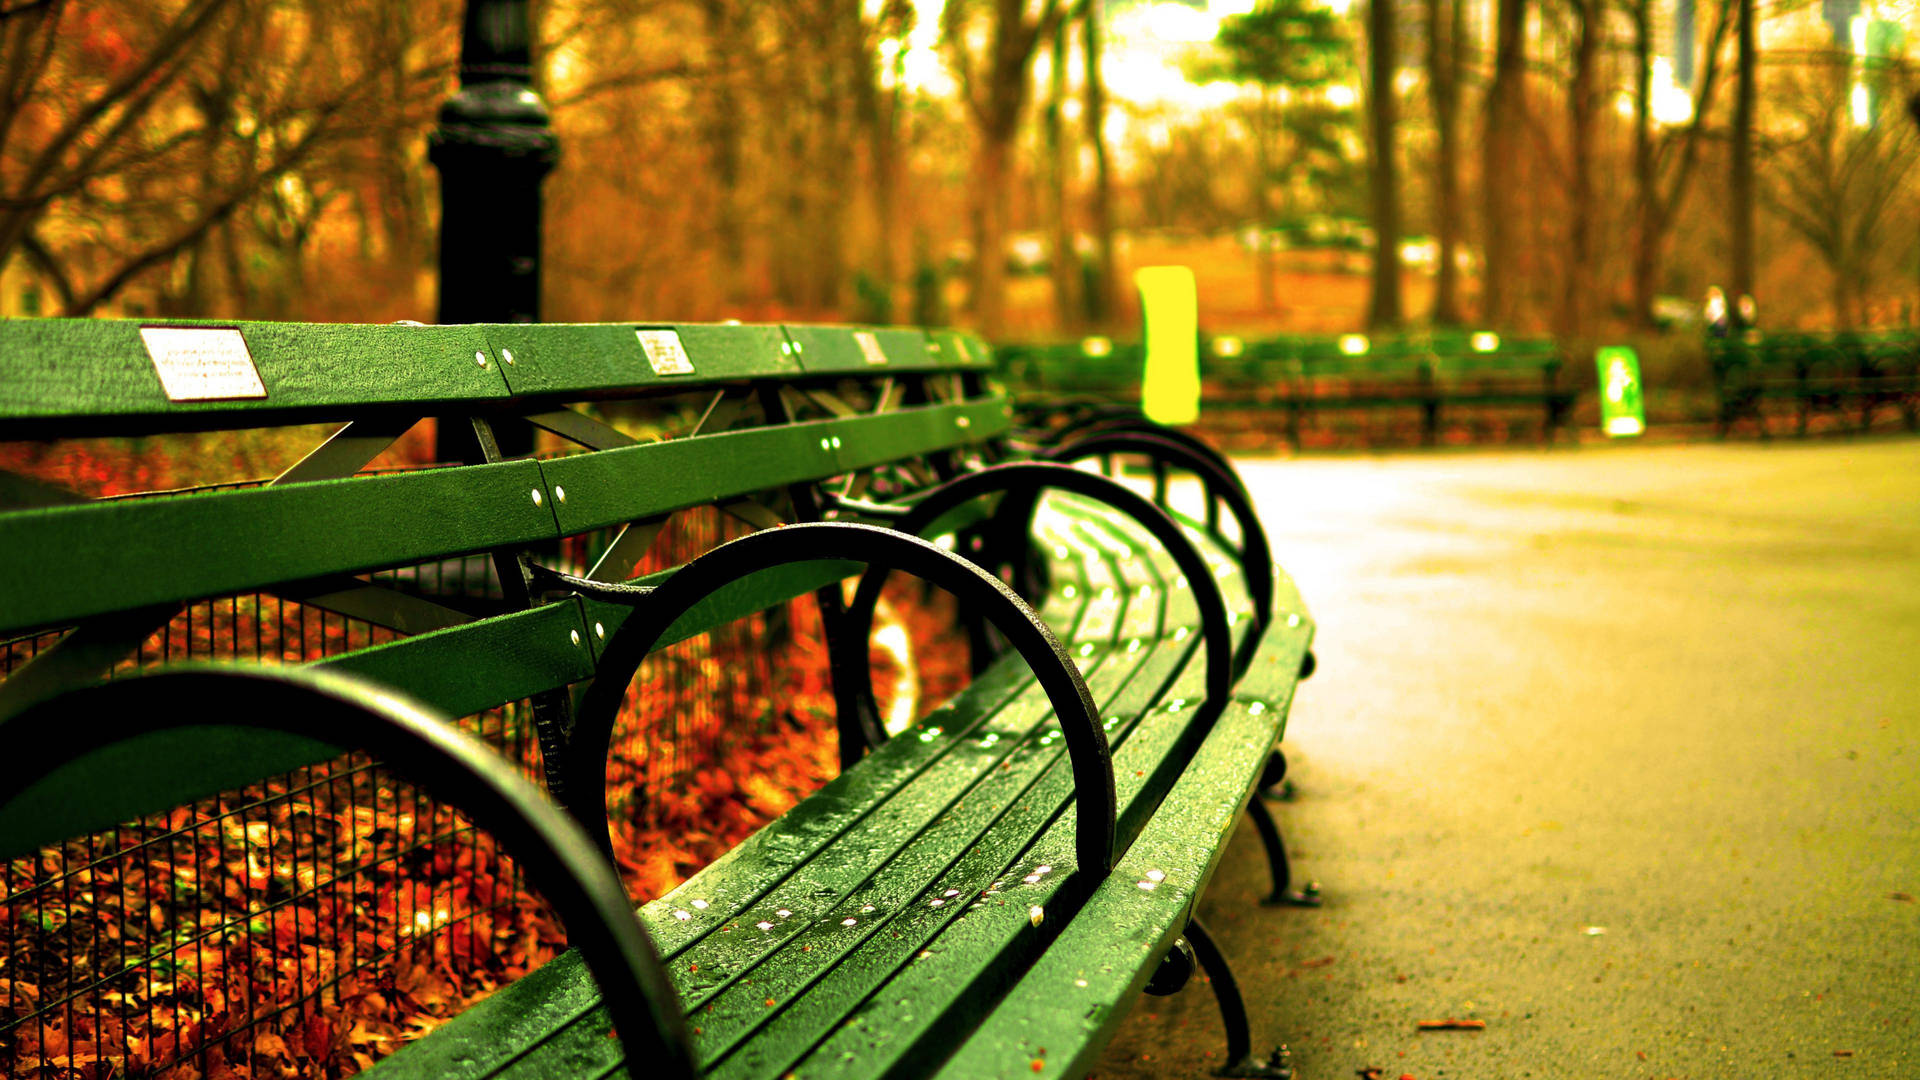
(556, 1024)
(868, 441)
(907, 1024)
(968, 351)
(586, 360)
(468, 669)
(1068, 1006)
(862, 350)
(71, 378)
(612, 487)
(143, 552)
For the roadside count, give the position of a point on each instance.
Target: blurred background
(1585, 167)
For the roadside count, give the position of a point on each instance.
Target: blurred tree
(1294, 53)
(150, 142)
(1063, 264)
(1834, 180)
(1383, 308)
(1099, 286)
(991, 46)
(1740, 179)
(1578, 279)
(1446, 47)
(1501, 164)
(1672, 153)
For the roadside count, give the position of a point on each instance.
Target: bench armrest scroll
(1027, 480)
(656, 609)
(47, 780)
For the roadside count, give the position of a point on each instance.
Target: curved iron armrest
(1220, 482)
(1022, 482)
(657, 608)
(1124, 419)
(38, 746)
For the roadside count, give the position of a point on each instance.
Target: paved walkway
(1616, 749)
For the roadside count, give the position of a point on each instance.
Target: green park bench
(985, 893)
(1299, 376)
(1848, 375)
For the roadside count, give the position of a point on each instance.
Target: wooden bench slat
(70, 378)
(156, 551)
(899, 1030)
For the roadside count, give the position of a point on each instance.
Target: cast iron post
(493, 147)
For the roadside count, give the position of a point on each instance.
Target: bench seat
(914, 876)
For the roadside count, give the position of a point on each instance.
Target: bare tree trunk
(1445, 44)
(1500, 178)
(1577, 283)
(1646, 236)
(1384, 309)
(1100, 287)
(1740, 182)
(1066, 261)
(990, 230)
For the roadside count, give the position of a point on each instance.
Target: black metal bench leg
(1283, 894)
(1274, 782)
(1233, 1013)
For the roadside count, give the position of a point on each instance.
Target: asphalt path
(1616, 749)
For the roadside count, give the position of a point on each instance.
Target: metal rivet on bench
(1293, 620)
(764, 925)
(1067, 592)
(1087, 649)
(701, 904)
(507, 355)
(961, 421)
(836, 442)
(600, 631)
(1180, 634)
(1156, 875)
(783, 913)
(1257, 708)
(559, 493)
(1036, 914)
(936, 902)
(575, 634)
(537, 497)
(849, 921)
(786, 347)
(866, 909)
(480, 358)
(825, 445)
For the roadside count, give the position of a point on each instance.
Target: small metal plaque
(198, 364)
(870, 346)
(664, 352)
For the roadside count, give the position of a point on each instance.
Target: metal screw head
(963, 421)
(600, 631)
(836, 442)
(480, 358)
(507, 355)
(559, 493)
(826, 444)
(575, 634)
(786, 348)
(536, 497)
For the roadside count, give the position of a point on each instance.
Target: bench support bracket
(1233, 1014)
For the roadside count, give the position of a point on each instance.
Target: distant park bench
(985, 894)
(1849, 376)
(1300, 377)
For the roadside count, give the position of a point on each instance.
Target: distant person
(1716, 312)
